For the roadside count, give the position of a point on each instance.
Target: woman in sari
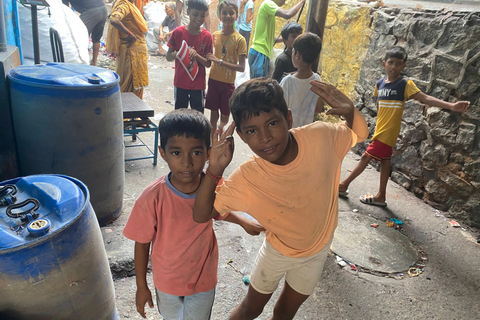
(126, 40)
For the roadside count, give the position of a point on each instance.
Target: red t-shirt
(184, 253)
(202, 43)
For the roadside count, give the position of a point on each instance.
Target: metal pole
(36, 43)
(317, 15)
(3, 32)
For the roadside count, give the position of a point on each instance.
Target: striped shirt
(391, 103)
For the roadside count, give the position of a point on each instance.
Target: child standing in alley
(184, 253)
(283, 64)
(290, 186)
(296, 87)
(230, 52)
(391, 93)
(200, 42)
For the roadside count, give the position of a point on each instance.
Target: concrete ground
(445, 284)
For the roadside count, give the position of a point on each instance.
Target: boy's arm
(240, 67)
(460, 106)
(143, 294)
(279, 68)
(178, 12)
(342, 106)
(171, 55)
(249, 15)
(204, 61)
(207, 21)
(287, 14)
(252, 227)
(221, 154)
(320, 107)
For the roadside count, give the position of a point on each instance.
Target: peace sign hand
(221, 153)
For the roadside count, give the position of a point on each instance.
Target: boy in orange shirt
(184, 253)
(290, 186)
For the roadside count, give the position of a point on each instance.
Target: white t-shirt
(300, 99)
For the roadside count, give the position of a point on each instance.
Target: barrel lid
(50, 203)
(64, 75)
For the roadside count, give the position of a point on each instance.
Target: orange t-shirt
(296, 203)
(184, 253)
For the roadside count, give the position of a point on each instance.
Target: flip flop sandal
(369, 199)
(343, 193)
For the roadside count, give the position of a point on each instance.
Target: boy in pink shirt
(184, 253)
(290, 186)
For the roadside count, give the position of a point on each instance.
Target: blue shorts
(258, 63)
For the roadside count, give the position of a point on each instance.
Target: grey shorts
(156, 34)
(194, 307)
(94, 19)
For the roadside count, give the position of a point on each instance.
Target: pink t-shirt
(202, 43)
(184, 253)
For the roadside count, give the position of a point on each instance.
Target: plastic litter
(414, 272)
(355, 210)
(396, 221)
(246, 280)
(389, 223)
(454, 224)
(341, 262)
(374, 225)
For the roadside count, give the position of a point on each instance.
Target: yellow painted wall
(345, 43)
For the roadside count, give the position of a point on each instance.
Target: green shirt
(264, 35)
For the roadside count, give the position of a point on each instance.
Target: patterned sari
(131, 61)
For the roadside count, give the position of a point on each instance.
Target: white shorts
(302, 274)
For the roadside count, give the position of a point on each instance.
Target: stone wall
(437, 152)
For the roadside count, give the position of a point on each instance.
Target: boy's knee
(365, 158)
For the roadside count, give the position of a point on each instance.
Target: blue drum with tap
(53, 263)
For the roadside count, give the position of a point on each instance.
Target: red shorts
(378, 150)
(218, 95)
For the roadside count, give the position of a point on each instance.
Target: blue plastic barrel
(68, 120)
(53, 263)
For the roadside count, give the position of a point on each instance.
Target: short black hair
(232, 3)
(255, 96)
(291, 27)
(184, 123)
(309, 46)
(396, 52)
(200, 5)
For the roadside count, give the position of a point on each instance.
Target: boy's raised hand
(221, 152)
(340, 103)
(142, 297)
